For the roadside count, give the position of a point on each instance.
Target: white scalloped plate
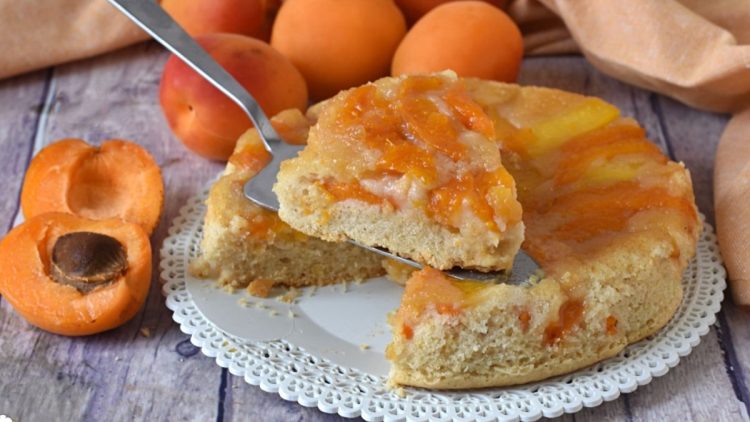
(331, 372)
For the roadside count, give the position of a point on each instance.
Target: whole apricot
(198, 17)
(205, 119)
(415, 9)
(472, 38)
(338, 44)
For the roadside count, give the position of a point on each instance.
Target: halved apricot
(119, 179)
(73, 276)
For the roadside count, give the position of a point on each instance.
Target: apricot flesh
(25, 280)
(205, 119)
(119, 179)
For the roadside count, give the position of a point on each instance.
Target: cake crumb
(273, 312)
(244, 302)
(291, 314)
(229, 288)
(396, 389)
(364, 347)
(260, 287)
(145, 332)
(290, 296)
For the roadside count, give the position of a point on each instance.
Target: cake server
(152, 18)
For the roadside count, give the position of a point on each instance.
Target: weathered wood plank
(21, 100)
(241, 401)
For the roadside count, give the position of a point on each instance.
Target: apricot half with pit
(119, 179)
(75, 276)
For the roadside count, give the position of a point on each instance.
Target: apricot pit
(87, 260)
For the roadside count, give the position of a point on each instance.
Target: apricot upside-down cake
(448, 171)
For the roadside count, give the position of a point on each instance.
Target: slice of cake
(409, 164)
(609, 218)
(243, 243)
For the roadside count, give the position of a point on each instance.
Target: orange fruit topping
(592, 211)
(407, 158)
(423, 122)
(429, 289)
(600, 146)
(352, 190)
(468, 112)
(524, 318)
(569, 315)
(478, 191)
(611, 325)
(251, 157)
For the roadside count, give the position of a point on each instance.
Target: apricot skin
(486, 44)
(198, 17)
(205, 119)
(338, 44)
(415, 9)
(61, 309)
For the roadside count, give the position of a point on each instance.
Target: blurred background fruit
(415, 9)
(473, 38)
(338, 44)
(205, 119)
(198, 17)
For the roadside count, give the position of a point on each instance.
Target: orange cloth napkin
(40, 33)
(696, 51)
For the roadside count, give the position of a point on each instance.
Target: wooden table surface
(126, 375)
